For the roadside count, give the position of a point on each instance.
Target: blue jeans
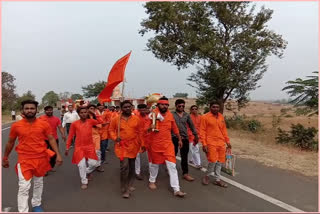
(103, 148)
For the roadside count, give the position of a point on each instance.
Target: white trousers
(84, 170)
(98, 152)
(173, 174)
(194, 154)
(137, 164)
(23, 192)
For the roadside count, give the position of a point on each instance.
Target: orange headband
(163, 102)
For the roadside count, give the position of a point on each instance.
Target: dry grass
(262, 146)
(6, 118)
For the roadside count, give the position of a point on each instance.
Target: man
(106, 118)
(161, 148)
(96, 138)
(127, 132)
(214, 138)
(13, 114)
(54, 123)
(63, 111)
(194, 155)
(142, 114)
(68, 118)
(84, 153)
(183, 121)
(32, 153)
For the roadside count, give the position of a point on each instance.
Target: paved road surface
(62, 189)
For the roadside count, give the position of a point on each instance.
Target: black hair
(163, 98)
(48, 107)
(80, 108)
(141, 106)
(99, 104)
(214, 102)
(193, 107)
(125, 102)
(29, 102)
(117, 107)
(179, 101)
(92, 105)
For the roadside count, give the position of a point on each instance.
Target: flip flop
(220, 184)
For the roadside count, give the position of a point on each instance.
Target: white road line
(6, 128)
(254, 192)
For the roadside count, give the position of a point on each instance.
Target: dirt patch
(6, 119)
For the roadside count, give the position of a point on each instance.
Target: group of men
(133, 132)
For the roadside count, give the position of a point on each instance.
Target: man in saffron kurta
(214, 138)
(84, 152)
(127, 132)
(33, 155)
(194, 154)
(161, 148)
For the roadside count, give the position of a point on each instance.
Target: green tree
(8, 90)
(50, 98)
(26, 96)
(93, 90)
(65, 95)
(304, 93)
(75, 97)
(227, 41)
(182, 95)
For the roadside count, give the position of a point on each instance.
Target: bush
(285, 110)
(288, 115)
(240, 122)
(275, 121)
(299, 136)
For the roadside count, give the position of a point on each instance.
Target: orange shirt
(106, 119)
(84, 147)
(54, 122)
(131, 135)
(145, 120)
(160, 141)
(31, 138)
(213, 130)
(196, 122)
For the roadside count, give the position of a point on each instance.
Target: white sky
(62, 46)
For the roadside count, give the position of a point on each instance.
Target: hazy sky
(62, 46)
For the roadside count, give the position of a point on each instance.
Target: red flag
(115, 77)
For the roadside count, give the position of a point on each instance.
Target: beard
(164, 110)
(30, 115)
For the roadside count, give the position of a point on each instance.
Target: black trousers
(53, 158)
(68, 125)
(183, 153)
(127, 173)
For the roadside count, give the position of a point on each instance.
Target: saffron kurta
(160, 143)
(106, 119)
(84, 147)
(32, 151)
(131, 135)
(213, 133)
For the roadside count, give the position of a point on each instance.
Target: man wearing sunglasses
(183, 121)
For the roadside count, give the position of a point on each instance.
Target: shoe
(188, 177)
(100, 169)
(131, 189)
(205, 180)
(179, 194)
(89, 177)
(198, 167)
(37, 209)
(139, 177)
(126, 195)
(84, 186)
(152, 186)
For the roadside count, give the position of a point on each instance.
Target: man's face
(101, 108)
(194, 110)
(163, 108)
(180, 107)
(111, 108)
(49, 112)
(143, 111)
(70, 108)
(92, 109)
(118, 109)
(215, 109)
(29, 111)
(127, 109)
(83, 114)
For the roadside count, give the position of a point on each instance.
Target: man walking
(32, 153)
(161, 149)
(127, 132)
(69, 117)
(214, 138)
(194, 154)
(183, 121)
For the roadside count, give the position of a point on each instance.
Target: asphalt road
(62, 189)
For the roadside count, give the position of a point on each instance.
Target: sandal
(220, 184)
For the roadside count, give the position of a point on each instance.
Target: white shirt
(69, 117)
(13, 113)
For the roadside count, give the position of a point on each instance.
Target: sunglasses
(180, 106)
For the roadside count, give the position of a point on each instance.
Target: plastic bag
(230, 163)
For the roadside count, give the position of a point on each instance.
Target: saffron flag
(115, 77)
